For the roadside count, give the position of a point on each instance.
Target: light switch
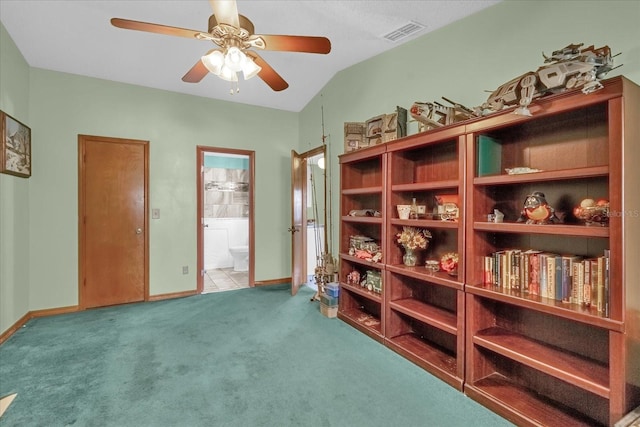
(155, 213)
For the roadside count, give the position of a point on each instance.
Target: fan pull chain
(231, 91)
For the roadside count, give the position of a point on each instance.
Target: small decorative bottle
(413, 213)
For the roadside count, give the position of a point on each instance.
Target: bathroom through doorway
(225, 218)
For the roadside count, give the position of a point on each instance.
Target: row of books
(568, 278)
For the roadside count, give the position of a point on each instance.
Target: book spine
(487, 272)
(558, 279)
(607, 285)
(543, 275)
(586, 286)
(593, 280)
(517, 260)
(600, 284)
(534, 274)
(575, 282)
(566, 279)
(524, 262)
(580, 296)
(551, 277)
(504, 277)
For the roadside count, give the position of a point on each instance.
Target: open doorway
(225, 219)
(316, 215)
(309, 218)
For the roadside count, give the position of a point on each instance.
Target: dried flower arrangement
(413, 238)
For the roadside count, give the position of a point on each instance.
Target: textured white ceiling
(75, 36)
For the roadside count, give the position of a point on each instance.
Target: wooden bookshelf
(534, 359)
(563, 361)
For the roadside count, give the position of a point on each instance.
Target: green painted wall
(38, 222)
(65, 105)
(14, 192)
(463, 59)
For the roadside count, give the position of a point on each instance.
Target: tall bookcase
(363, 182)
(534, 359)
(424, 311)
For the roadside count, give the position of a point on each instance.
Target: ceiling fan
(234, 36)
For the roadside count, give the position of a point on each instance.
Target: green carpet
(251, 357)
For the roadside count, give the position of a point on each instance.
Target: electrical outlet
(185, 269)
(155, 213)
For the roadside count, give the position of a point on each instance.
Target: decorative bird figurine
(536, 210)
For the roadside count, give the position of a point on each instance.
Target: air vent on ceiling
(405, 31)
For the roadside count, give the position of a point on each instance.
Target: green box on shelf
(489, 156)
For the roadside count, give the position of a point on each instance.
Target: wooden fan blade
(268, 74)
(308, 44)
(196, 73)
(154, 28)
(226, 12)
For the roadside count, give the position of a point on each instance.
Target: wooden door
(298, 246)
(113, 239)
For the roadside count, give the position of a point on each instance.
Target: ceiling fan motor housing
(246, 27)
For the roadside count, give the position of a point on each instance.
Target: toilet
(240, 256)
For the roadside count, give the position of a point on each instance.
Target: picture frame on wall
(15, 152)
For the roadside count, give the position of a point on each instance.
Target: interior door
(297, 230)
(113, 187)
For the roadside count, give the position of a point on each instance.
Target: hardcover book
(586, 287)
(607, 254)
(534, 272)
(600, 285)
(568, 263)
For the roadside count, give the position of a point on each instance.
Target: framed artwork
(15, 153)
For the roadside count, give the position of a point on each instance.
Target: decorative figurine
(568, 68)
(353, 278)
(447, 206)
(449, 263)
(432, 115)
(536, 210)
(593, 212)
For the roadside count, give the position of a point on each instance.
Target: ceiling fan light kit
(226, 66)
(233, 33)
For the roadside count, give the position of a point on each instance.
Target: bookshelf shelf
(364, 292)
(425, 223)
(425, 313)
(362, 219)
(364, 190)
(575, 312)
(552, 229)
(576, 370)
(424, 354)
(363, 321)
(423, 186)
(577, 173)
(524, 406)
(440, 278)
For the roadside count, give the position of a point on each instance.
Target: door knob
(293, 229)
(138, 230)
